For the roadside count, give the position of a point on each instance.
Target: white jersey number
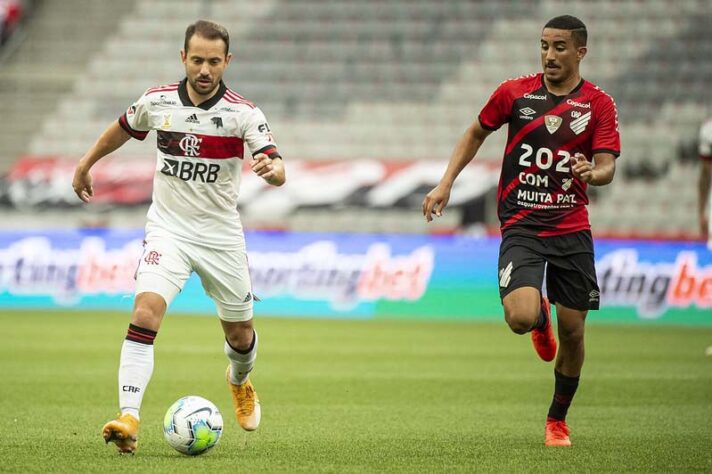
(544, 158)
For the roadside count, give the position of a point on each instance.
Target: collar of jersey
(558, 98)
(185, 98)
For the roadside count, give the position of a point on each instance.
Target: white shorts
(166, 265)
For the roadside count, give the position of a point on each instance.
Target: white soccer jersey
(200, 152)
(705, 150)
(705, 147)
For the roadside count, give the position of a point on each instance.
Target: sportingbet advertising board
(353, 276)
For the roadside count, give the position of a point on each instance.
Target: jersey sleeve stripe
(486, 126)
(137, 134)
(237, 99)
(154, 91)
(269, 150)
(169, 87)
(230, 91)
(615, 153)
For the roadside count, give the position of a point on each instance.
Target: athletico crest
(552, 122)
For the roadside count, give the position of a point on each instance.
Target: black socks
(564, 390)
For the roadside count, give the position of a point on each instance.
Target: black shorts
(567, 259)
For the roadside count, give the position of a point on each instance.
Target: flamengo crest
(190, 144)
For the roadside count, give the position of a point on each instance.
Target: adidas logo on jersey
(248, 298)
(192, 119)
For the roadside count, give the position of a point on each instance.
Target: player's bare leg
(241, 349)
(525, 310)
(567, 371)
(135, 371)
(571, 339)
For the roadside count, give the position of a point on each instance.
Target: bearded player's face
(205, 62)
(560, 57)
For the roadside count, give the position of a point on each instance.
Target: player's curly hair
(208, 30)
(573, 24)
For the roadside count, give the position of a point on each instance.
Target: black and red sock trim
(140, 335)
(564, 391)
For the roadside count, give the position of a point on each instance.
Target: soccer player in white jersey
(705, 197)
(192, 224)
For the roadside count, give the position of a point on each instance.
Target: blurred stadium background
(385, 88)
(366, 99)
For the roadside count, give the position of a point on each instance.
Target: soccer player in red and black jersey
(562, 137)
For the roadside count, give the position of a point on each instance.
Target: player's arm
(598, 172)
(267, 163)
(270, 168)
(703, 195)
(465, 150)
(110, 140)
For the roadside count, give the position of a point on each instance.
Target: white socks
(241, 364)
(135, 368)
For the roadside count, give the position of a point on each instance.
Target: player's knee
(519, 316)
(240, 335)
(571, 334)
(519, 321)
(146, 317)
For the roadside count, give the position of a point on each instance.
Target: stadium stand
(45, 67)
(386, 80)
(11, 13)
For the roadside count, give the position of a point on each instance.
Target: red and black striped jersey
(537, 193)
(199, 150)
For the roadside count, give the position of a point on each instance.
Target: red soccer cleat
(543, 339)
(557, 433)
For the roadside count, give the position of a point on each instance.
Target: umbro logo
(192, 119)
(527, 113)
(593, 296)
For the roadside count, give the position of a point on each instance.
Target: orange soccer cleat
(246, 403)
(557, 433)
(543, 339)
(123, 432)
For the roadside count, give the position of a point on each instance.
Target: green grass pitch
(359, 396)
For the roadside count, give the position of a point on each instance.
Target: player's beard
(203, 88)
(555, 75)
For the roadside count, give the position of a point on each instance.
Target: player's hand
(582, 168)
(262, 166)
(435, 201)
(268, 169)
(82, 185)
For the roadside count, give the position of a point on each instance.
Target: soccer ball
(192, 425)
